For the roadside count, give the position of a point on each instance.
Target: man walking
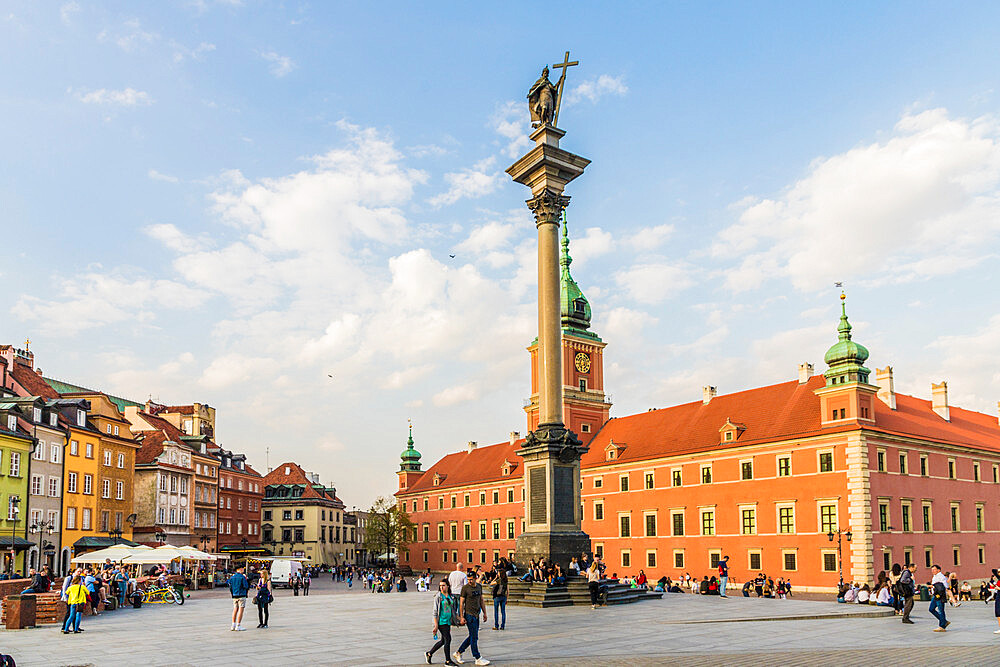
(939, 596)
(907, 588)
(723, 576)
(239, 586)
(471, 603)
(456, 581)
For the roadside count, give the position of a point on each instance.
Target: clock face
(582, 362)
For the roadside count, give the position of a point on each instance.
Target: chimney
(514, 436)
(805, 372)
(708, 392)
(886, 387)
(939, 400)
(472, 445)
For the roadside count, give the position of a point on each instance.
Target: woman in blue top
(445, 612)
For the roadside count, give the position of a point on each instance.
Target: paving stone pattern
(334, 626)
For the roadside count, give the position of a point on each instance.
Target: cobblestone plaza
(336, 627)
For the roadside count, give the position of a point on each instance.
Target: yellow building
(115, 467)
(303, 518)
(80, 531)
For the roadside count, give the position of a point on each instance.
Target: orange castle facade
(774, 477)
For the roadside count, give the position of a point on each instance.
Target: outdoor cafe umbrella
(115, 554)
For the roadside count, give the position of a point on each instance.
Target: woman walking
(594, 583)
(296, 582)
(444, 614)
(500, 596)
(264, 597)
(76, 598)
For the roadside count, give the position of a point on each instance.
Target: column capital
(547, 207)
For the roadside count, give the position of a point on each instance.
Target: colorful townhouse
(15, 451)
(302, 517)
(241, 495)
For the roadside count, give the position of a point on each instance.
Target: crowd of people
(898, 588)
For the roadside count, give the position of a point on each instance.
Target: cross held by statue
(565, 65)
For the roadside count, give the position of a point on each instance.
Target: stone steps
(574, 592)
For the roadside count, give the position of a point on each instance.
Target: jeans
(937, 610)
(73, 616)
(722, 585)
(445, 641)
(595, 591)
(262, 612)
(471, 622)
(500, 607)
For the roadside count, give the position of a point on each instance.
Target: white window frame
(107, 455)
(54, 453)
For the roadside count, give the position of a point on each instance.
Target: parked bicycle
(162, 595)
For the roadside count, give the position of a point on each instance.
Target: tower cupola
(574, 309)
(845, 358)
(410, 458)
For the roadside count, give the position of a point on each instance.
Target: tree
(388, 526)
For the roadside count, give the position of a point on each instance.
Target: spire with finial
(845, 358)
(410, 458)
(574, 307)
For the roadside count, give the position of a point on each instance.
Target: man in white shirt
(457, 579)
(939, 594)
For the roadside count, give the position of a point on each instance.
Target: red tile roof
(296, 475)
(482, 464)
(171, 431)
(33, 382)
(152, 446)
(181, 409)
(773, 413)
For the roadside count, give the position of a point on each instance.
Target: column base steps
(575, 592)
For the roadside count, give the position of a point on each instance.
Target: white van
(282, 570)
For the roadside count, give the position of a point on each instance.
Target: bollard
(20, 611)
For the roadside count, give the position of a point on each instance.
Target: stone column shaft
(549, 328)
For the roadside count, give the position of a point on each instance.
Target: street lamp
(115, 534)
(15, 510)
(840, 563)
(160, 537)
(40, 527)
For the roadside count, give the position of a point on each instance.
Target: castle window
(585, 428)
(583, 384)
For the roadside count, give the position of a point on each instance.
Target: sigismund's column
(551, 452)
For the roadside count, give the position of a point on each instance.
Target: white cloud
(280, 65)
(95, 299)
(399, 379)
(235, 368)
(159, 176)
(477, 181)
(67, 11)
(512, 122)
(173, 238)
(129, 97)
(594, 243)
(651, 238)
(654, 282)
(130, 37)
(491, 236)
(458, 394)
(593, 90)
(182, 53)
(924, 202)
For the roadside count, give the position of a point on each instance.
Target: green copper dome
(410, 458)
(846, 358)
(574, 309)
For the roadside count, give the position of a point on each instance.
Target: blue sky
(228, 202)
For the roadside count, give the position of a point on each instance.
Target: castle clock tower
(585, 406)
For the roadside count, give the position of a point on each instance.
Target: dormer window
(506, 468)
(108, 428)
(580, 306)
(288, 470)
(116, 430)
(11, 422)
(36, 415)
(81, 417)
(53, 419)
(613, 451)
(731, 431)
